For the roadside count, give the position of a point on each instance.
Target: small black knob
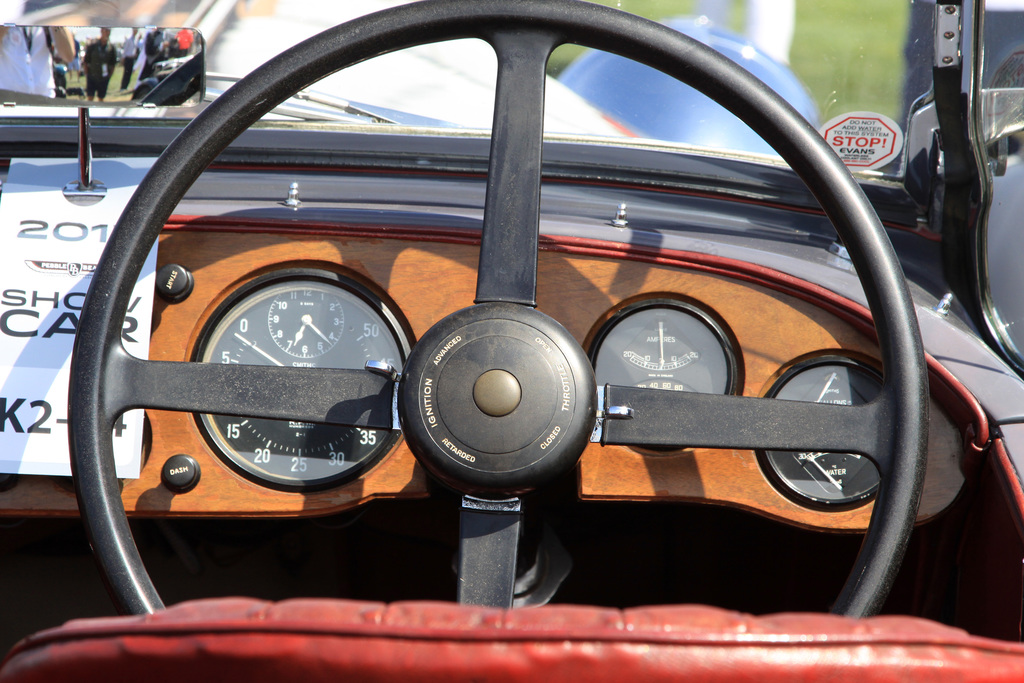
(174, 283)
(180, 473)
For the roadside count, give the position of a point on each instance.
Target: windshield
(829, 60)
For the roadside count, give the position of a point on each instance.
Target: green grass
(848, 53)
(114, 94)
(851, 65)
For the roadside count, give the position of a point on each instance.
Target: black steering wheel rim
(95, 403)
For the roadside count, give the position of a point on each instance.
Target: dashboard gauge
(294, 328)
(665, 344)
(300, 319)
(824, 478)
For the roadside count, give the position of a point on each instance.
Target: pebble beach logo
(62, 268)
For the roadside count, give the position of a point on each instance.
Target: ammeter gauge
(665, 344)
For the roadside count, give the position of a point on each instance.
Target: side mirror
(93, 66)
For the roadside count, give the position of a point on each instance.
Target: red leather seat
(240, 639)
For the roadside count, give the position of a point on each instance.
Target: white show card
(48, 250)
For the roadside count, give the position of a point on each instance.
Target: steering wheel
(498, 398)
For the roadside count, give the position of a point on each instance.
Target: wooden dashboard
(773, 321)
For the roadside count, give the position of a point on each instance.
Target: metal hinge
(947, 36)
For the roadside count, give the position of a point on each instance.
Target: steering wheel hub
(497, 399)
(497, 392)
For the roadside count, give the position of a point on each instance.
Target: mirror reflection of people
(154, 46)
(184, 38)
(27, 56)
(129, 51)
(100, 60)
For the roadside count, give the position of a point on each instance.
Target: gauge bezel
(283, 276)
(725, 338)
(777, 480)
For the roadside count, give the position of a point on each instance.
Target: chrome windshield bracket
(947, 36)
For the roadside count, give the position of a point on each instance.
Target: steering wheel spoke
(328, 395)
(508, 249)
(488, 550)
(693, 420)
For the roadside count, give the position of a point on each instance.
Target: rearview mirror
(92, 66)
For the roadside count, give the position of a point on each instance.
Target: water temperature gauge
(665, 344)
(824, 478)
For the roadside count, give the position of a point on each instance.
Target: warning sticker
(863, 139)
(1010, 73)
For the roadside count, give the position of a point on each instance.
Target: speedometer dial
(300, 319)
(665, 344)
